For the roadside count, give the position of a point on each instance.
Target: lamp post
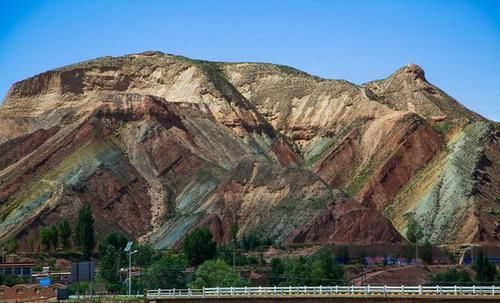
(130, 253)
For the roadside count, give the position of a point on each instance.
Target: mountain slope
(160, 144)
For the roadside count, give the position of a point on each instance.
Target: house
(17, 269)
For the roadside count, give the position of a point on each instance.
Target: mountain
(160, 144)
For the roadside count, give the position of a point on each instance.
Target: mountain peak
(411, 71)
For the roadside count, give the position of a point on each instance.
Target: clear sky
(456, 42)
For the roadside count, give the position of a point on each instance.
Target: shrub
(451, 277)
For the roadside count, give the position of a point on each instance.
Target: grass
(359, 180)
(443, 127)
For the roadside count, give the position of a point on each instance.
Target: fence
(326, 290)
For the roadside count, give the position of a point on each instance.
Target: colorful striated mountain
(160, 144)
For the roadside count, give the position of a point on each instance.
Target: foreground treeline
(198, 262)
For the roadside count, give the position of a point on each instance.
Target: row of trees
(320, 269)
(168, 270)
(50, 236)
(84, 236)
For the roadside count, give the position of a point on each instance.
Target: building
(17, 269)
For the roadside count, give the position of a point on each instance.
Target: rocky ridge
(160, 144)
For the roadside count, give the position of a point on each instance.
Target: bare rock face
(346, 221)
(160, 144)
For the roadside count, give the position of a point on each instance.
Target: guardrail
(326, 291)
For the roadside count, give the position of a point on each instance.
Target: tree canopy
(485, 269)
(84, 231)
(65, 233)
(198, 246)
(167, 272)
(216, 273)
(414, 231)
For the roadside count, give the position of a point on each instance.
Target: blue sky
(456, 42)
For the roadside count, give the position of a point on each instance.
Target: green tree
(44, 235)
(198, 246)
(84, 231)
(109, 265)
(426, 254)
(409, 251)
(12, 245)
(324, 269)
(115, 239)
(413, 235)
(252, 241)
(54, 237)
(318, 274)
(485, 269)
(277, 271)
(414, 231)
(297, 272)
(65, 233)
(144, 256)
(216, 273)
(234, 232)
(497, 278)
(451, 277)
(167, 272)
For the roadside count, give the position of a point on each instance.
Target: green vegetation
(198, 246)
(359, 180)
(53, 237)
(451, 277)
(443, 127)
(252, 241)
(485, 269)
(216, 273)
(277, 271)
(230, 255)
(109, 265)
(413, 231)
(117, 240)
(12, 245)
(65, 233)
(426, 254)
(320, 269)
(167, 272)
(84, 231)
(49, 236)
(44, 235)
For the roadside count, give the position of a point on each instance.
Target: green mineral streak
(315, 150)
(75, 167)
(443, 209)
(359, 180)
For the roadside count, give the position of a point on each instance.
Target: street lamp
(130, 253)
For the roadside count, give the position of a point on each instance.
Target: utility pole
(130, 253)
(234, 256)
(416, 253)
(472, 254)
(129, 273)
